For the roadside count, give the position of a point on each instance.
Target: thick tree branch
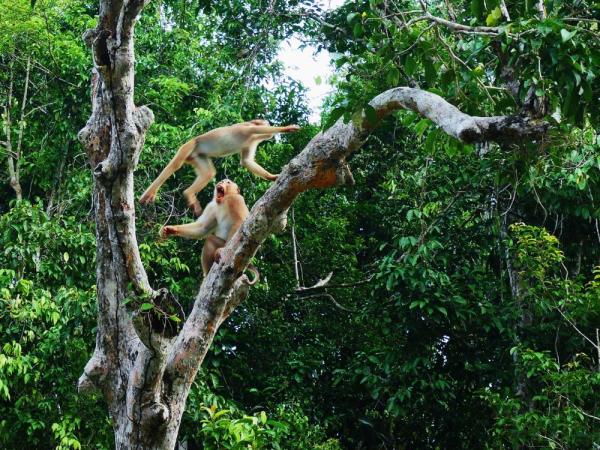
(465, 128)
(131, 13)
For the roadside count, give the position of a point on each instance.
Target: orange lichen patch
(209, 329)
(325, 176)
(130, 267)
(296, 186)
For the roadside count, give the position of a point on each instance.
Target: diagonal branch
(130, 14)
(453, 26)
(320, 165)
(460, 28)
(465, 128)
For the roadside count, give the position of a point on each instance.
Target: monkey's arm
(257, 169)
(263, 129)
(196, 230)
(247, 160)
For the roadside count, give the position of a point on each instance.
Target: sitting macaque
(242, 138)
(218, 223)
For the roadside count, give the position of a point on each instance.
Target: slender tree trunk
(17, 182)
(518, 291)
(12, 153)
(57, 180)
(144, 363)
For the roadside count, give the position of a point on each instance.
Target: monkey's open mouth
(220, 191)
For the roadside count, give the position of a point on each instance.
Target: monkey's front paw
(165, 232)
(147, 197)
(292, 128)
(273, 177)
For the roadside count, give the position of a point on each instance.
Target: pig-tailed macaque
(242, 138)
(218, 223)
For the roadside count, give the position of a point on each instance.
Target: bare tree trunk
(13, 155)
(541, 9)
(121, 366)
(518, 290)
(57, 180)
(144, 363)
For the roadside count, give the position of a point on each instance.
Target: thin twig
(322, 284)
(330, 297)
(597, 347)
(295, 249)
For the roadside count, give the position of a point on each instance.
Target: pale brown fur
(242, 138)
(219, 221)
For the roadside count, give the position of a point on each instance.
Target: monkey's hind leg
(174, 165)
(211, 245)
(205, 171)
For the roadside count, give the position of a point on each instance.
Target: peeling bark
(143, 365)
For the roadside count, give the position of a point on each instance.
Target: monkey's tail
(254, 270)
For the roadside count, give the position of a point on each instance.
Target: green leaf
(567, 35)
(370, 114)
(431, 140)
(392, 77)
(430, 72)
(358, 30)
(421, 126)
(146, 306)
(350, 18)
(477, 7)
(333, 117)
(220, 413)
(410, 65)
(494, 17)
(389, 283)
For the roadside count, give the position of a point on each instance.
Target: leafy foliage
(468, 274)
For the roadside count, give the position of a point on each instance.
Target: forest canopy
(447, 297)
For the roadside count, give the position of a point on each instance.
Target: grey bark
(144, 365)
(14, 152)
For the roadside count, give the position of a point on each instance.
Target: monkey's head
(259, 122)
(224, 188)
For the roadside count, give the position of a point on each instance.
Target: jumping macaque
(218, 223)
(242, 138)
